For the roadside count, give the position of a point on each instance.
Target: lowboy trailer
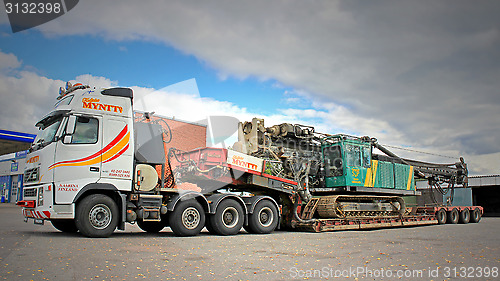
(212, 168)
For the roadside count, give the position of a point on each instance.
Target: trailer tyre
(453, 216)
(151, 226)
(96, 216)
(475, 215)
(464, 216)
(264, 218)
(228, 219)
(441, 216)
(187, 219)
(67, 226)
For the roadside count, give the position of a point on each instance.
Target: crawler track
(353, 206)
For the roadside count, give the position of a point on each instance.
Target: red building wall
(176, 134)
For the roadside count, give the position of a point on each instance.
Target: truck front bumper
(38, 204)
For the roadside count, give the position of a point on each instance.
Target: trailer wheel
(264, 218)
(187, 219)
(67, 226)
(151, 226)
(453, 216)
(441, 216)
(228, 219)
(464, 216)
(96, 216)
(475, 216)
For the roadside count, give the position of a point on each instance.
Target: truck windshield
(47, 132)
(333, 161)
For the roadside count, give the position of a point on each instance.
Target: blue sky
(424, 77)
(135, 63)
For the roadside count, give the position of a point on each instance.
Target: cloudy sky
(422, 75)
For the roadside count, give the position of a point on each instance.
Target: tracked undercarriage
(355, 206)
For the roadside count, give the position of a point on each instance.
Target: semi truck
(95, 166)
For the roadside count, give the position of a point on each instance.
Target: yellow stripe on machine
(410, 177)
(371, 174)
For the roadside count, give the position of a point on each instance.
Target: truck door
(78, 157)
(117, 161)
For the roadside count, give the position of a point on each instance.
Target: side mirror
(67, 139)
(70, 130)
(70, 127)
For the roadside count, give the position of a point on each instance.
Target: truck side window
(85, 131)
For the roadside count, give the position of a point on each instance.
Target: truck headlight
(40, 196)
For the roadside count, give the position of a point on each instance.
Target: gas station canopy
(11, 141)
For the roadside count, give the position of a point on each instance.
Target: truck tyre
(475, 215)
(96, 216)
(67, 226)
(187, 219)
(151, 226)
(264, 218)
(464, 216)
(228, 218)
(441, 216)
(209, 226)
(452, 216)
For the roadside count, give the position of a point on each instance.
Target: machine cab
(347, 160)
(351, 165)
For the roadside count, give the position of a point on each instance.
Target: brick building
(177, 134)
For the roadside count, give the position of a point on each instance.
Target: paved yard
(33, 252)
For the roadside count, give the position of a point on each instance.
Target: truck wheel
(96, 216)
(209, 226)
(187, 219)
(67, 226)
(452, 216)
(151, 226)
(464, 216)
(441, 216)
(228, 219)
(475, 216)
(264, 218)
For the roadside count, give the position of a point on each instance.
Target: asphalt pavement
(435, 252)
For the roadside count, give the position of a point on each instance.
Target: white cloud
(98, 82)
(26, 97)
(30, 96)
(8, 62)
(422, 74)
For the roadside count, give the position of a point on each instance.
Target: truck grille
(30, 192)
(31, 175)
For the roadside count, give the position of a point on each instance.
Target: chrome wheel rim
(191, 218)
(100, 216)
(266, 217)
(230, 217)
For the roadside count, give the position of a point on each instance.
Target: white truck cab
(85, 143)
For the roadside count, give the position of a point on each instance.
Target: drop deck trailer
(211, 168)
